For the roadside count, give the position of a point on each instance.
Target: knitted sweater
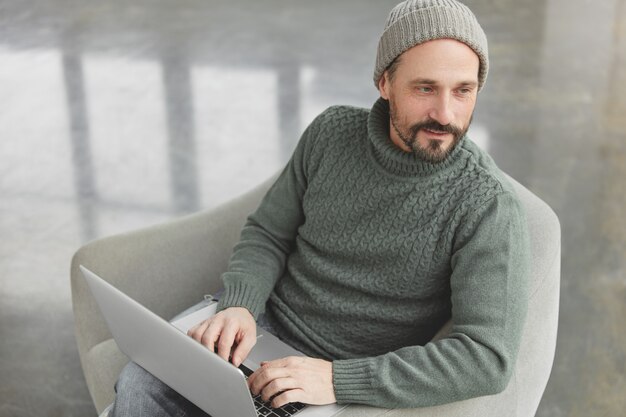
(360, 252)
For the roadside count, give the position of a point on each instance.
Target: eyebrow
(423, 81)
(428, 81)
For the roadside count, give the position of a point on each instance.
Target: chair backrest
(539, 340)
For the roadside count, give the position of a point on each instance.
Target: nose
(441, 110)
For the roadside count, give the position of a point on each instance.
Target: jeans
(140, 394)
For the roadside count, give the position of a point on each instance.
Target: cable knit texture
(360, 252)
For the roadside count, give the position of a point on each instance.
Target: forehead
(440, 60)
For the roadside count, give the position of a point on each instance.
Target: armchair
(169, 267)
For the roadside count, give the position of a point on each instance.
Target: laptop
(164, 349)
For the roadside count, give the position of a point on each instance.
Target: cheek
(463, 112)
(416, 109)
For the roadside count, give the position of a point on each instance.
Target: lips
(436, 133)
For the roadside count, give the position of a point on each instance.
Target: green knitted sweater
(360, 252)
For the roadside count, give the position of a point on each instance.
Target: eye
(465, 91)
(425, 90)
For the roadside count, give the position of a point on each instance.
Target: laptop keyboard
(264, 409)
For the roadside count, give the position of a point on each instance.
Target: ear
(383, 85)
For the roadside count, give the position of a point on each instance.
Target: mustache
(431, 124)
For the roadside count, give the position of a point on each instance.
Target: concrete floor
(122, 114)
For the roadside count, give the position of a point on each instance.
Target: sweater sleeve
(259, 258)
(490, 266)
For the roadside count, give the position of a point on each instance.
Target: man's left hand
(294, 379)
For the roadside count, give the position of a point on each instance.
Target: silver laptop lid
(173, 357)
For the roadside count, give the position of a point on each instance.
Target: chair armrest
(522, 395)
(166, 268)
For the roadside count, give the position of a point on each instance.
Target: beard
(433, 152)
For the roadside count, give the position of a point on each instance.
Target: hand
(294, 379)
(229, 327)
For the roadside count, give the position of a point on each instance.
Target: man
(384, 225)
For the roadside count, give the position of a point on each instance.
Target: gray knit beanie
(417, 21)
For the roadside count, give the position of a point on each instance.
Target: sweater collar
(394, 159)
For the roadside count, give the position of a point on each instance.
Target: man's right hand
(233, 327)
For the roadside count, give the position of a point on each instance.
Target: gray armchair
(169, 267)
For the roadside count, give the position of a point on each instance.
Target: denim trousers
(140, 394)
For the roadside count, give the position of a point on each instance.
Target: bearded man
(385, 224)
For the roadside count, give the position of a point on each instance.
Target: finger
(263, 376)
(278, 386)
(193, 328)
(197, 331)
(226, 340)
(285, 362)
(211, 334)
(244, 347)
(290, 396)
(254, 376)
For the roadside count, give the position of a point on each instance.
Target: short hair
(393, 67)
